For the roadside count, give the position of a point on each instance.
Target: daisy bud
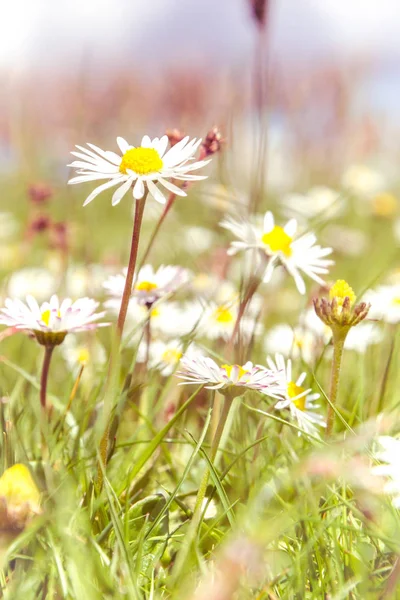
(340, 312)
(259, 9)
(19, 498)
(40, 192)
(174, 136)
(212, 143)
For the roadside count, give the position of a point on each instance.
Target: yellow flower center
(294, 390)
(146, 286)
(141, 161)
(155, 313)
(341, 290)
(171, 356)
(278, 240)
(228, 370)
(83, 356)
(18, 487)
(384, 204)
(45, 316)
(223, 315)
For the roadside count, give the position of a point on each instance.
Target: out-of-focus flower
(150, 285)
(163, 356)
(40, 192)
(34, 281)
(281, 247)
(212, 143)
(348, 241)
(297, 398)
(231, 378)
(317, 202)
(89, 354)
(218, 322)
(385, 303)
(363, 181)
(51, 321)
(19, 498)
(138, 168)
(197, 239)
(384, 204)
(359, 338)
(388, 452)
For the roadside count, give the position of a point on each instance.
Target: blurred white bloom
(317, 202)
(388, 453)
(51, 321)
(36, 282)
(197, 239)
(90, 353)
(81, 280)
(203, 370)
(305, 341)
(281, 247)
(8, 226)
(149, 285)
(362, 336)
(138, 168)
(385, 303)
(346, 240)
(218, 322)
(363, 181)
(297, 398)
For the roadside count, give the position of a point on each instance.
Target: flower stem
(48, 351)
(139, 209)
(157, 228)
(338, 343)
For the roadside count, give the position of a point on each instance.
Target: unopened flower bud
(40, 192)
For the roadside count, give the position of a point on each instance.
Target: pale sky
(58, 33)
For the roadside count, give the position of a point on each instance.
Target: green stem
(338, 344)
(139, 209)
(48, 351)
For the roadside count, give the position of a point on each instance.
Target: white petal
(101, 188)
(120, 192)
(146, 142)
(138, 190)
(155, 192)
(172, 188)
(123, 144)
(269, 222)
(291, 227)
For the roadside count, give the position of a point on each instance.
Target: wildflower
(32, 281)
(341, 313)
(138, 167)
(40, 192)
(317, 202)
(77, 354)
(280, 246)
(388, 452)
(359, 338)
(363, 181)
(19, 498)
(51, 321)
(385, 301)
(230, 378)
(149, 285)
(297, 398)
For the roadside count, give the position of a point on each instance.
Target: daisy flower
(139, 168)
(218, 322)
(203, 370)
(149, 285)
(319, 201)
(51, 321)
(385, 303)
(388, 453)
(297, 398)
(280, 246)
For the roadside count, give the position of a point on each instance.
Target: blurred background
(325, 73)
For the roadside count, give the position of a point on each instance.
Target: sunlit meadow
(199, 384)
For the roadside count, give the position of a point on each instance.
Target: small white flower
(90, 353)
(51, 321)
(138, 167)
(281, 247)
(203, 370)
(32, 281)
(218, 322)
(385, 303)
(297, 398)
(388, 453)
(360, 337)
(149, 285)
(317, 202)
(363, 181)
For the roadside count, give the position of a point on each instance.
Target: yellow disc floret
(278, 240)
(294, 390)
(83, 356)
(18, 487)
(223, 315)
(146, 286)
(141, 161)
(171, 356)
(341, 290)
(228, 370)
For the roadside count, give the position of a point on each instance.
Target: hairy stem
(338, 343)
